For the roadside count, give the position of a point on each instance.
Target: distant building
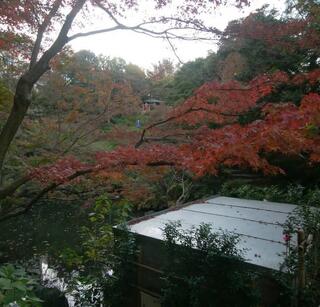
(150, 104)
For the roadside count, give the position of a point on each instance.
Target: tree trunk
(22, 98)
(21, 104)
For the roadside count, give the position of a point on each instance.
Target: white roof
(259, 224)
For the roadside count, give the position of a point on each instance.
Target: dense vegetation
(88, 141)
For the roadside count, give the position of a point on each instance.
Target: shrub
(17, 287)
(292, 193)
(213, 274)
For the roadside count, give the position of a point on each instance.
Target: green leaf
(20, 285)
(5, 284)
(34, 299)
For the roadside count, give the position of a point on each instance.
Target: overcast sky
(143, 50)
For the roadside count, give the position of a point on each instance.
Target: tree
(222, 126)
(260, 43)
(137, 78)
(214, 138)
(191, 75)
(267, 43)
(38, 20)
(74, 102)
(254, 125)
(174, 87)
(161, 70)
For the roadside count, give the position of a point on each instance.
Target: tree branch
(140, 28)
(54, 185)
(174, 50)
(192, 109)
(43, 192)
(41, 30)
(25, 84)
(84, 34)
(10, 189)
(174, 117)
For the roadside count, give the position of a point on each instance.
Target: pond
(42, 234)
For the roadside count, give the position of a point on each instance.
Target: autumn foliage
(250, 119)
(290, 35)
(285, 129)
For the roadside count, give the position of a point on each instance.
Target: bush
(98, 268)
(17, 287)
(213, 274)
(292, 193)
(305, 219)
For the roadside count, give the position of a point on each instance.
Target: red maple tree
(285, 128)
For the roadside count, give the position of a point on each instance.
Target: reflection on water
(50, 279)
(48, 229)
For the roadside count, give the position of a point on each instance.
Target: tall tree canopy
(42, 19)
(255, 122)
(36, 31)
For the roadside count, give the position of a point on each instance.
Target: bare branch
(84, 34)
(191, 24)
(141, 28)
(170, 138)
(41, 30)
(174, 50)
(108, 12)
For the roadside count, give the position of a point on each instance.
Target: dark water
(47, 229)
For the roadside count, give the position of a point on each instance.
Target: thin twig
(174, 50)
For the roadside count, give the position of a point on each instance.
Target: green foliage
(205, 186)
(97, 235)
(205, 268)
(250, 116)
(128, 122)
(103, 145)
(96, 257)
(8, 203)
(175, 89)
(173, 188)
(107, 280)
(71, 258)
(307, 219)
(17, 287)
(6, 98)
(118, 286)
(292, 193)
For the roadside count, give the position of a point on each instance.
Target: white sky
(144, 50)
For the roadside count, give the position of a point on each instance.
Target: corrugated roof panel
(256, 204)
(237, 225)
(242, 213)
(257, 222)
